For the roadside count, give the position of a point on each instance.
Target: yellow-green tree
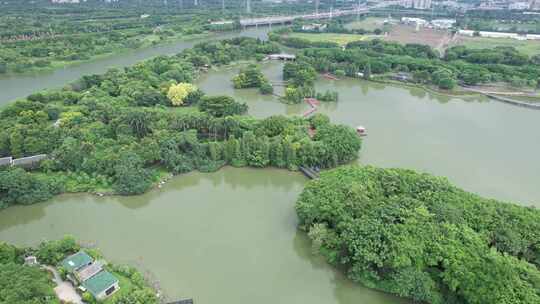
(178, 92)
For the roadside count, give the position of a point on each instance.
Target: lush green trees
(299, 73)
(220, 106)
(109, 132)
(418, 236)
(25, 284)
(252, 77)
(459, 65)
(367, 71)
(327, 96)
(22, 284)
(130, 176)
(53, 252)
(46, 35)
(249, 77)
(178, 93)
(20, 187)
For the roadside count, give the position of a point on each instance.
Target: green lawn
(341, 39)
(529, 47)
(369, 24)
(514, 26)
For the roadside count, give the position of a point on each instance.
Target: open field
(509, 26)
(529, 47)
(341, 39)
(438, 39)
(369, 24)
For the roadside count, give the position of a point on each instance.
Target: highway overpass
(289, 19)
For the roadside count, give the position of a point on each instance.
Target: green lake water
(228, 237)
(231, 237)
(484, 146)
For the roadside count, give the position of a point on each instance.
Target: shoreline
(462, 94)
(58, 65)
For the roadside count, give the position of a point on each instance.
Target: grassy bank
(528, 47)
(148, 42)
(341, 39)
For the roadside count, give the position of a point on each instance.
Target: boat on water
(361, 131)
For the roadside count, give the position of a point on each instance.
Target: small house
(77, 261)
(89, 271)
(101, 285)
(402, 76)
(314, 27)
(30, 261)
(82, 269)
(285, 57)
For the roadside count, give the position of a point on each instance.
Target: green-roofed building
(77, 261)
(102, 285)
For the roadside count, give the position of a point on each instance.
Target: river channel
(18, 86)
(230, 237)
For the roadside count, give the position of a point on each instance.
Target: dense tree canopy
(252, 77)
(459, 65)
(418, 236)
(113, 132)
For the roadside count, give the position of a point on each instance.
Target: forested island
(120, 132)
(418, 236)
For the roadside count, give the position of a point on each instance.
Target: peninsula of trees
(421, 63)
(118, 132)
(418, 236)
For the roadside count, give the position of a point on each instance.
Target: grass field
(369, 24)
(341, 39)
(513, 26)
(529, 47)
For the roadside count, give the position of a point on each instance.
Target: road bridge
(289, 19)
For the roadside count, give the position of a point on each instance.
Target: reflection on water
(227, 237)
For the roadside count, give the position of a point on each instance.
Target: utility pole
(248, 6)
(223, 6)
(358, 11)
(317, 8)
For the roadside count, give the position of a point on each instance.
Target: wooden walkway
(330, 76)
(186, 301)
(515, 102)
(313, 103)
(310, 173)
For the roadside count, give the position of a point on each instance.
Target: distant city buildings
(534, 5)
(413, 21)
(519, 6)
(67, 1)
(443, 23)
(435, 23)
